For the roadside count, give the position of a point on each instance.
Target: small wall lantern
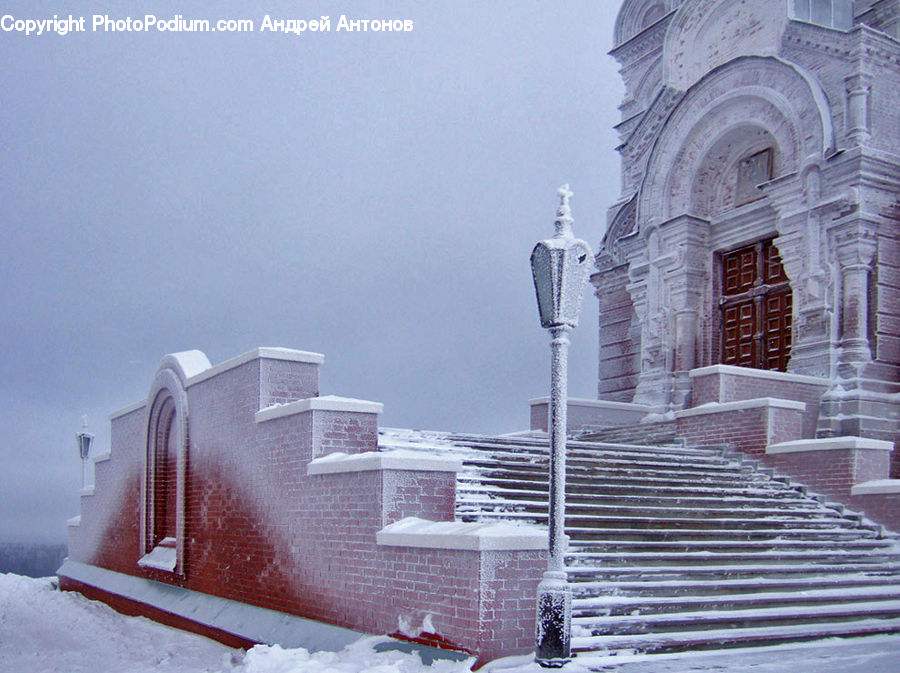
(85, 441)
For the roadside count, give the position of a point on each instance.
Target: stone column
(855, 252)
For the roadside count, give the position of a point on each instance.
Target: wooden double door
(756, 307)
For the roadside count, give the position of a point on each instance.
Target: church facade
(759, 222)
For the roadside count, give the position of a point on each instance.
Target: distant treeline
(32, 560)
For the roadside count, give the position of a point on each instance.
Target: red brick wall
(725, 387)
(749, 431)
(832, 472)
(258, 529)
(883, 508)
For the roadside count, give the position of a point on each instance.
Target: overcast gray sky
(370, 196)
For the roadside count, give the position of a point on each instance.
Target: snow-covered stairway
(675, 548)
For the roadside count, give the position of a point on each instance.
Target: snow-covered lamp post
(85, 439)
(560, 266)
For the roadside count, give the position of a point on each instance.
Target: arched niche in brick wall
(165, 462)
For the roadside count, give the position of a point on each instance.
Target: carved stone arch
(637, 15)
(167, 439)
(706, 34)
(621, 226)
(648, 86)
(762, 93)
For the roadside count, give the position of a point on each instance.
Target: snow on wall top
(194, 367)
(256, 354)
(322, 403)
(400, 459)
(415, 532)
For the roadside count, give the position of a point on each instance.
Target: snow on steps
(676, 548)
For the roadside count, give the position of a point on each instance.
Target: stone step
(481, 443)
(730, 638)
(702, 587)
(596, 452)
(656, 433)
(632, 606)
(760, 488)
(469, 493)
(576, 508)
(700, 521)
(607, 535)
(867, 545)
(737, 618)
(676, 559)
(602, 463)
(758, 571)
(597, 479)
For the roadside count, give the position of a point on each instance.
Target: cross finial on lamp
(564, 213)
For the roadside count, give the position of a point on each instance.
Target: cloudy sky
(370, 196)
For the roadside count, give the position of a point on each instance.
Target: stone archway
(753, 118)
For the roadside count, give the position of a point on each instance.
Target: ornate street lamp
(85, 440)
(560, 266)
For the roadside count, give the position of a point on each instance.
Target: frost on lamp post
(85, 439)
(560, 266)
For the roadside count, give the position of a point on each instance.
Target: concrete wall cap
(830, 444)
(741, 405)
(130, 409)
(876, 487)
(415, 461)
(415, 532)
(101, 457)
(262, 352)
(781, 377)
(593, 404)
(324, 403)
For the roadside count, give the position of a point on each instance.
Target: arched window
(829, 13)
(165, 472)
(163, 476)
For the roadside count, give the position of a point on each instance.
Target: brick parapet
(748, 426)
(723, 383)
(834, 466)
(260, 530)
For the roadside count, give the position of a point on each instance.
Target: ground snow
(47, 631)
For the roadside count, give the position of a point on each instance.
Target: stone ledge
(420, 533)
(250, 622)
(325, 403)
(594, 404)
(74, 521)
(782, 377)
(257, 354)
(877, 487)
(339, 463)
(87, 490)
(102, 457)
(741, 405)
(829, 444)
(130, 409)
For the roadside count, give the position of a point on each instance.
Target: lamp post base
(554, 617)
